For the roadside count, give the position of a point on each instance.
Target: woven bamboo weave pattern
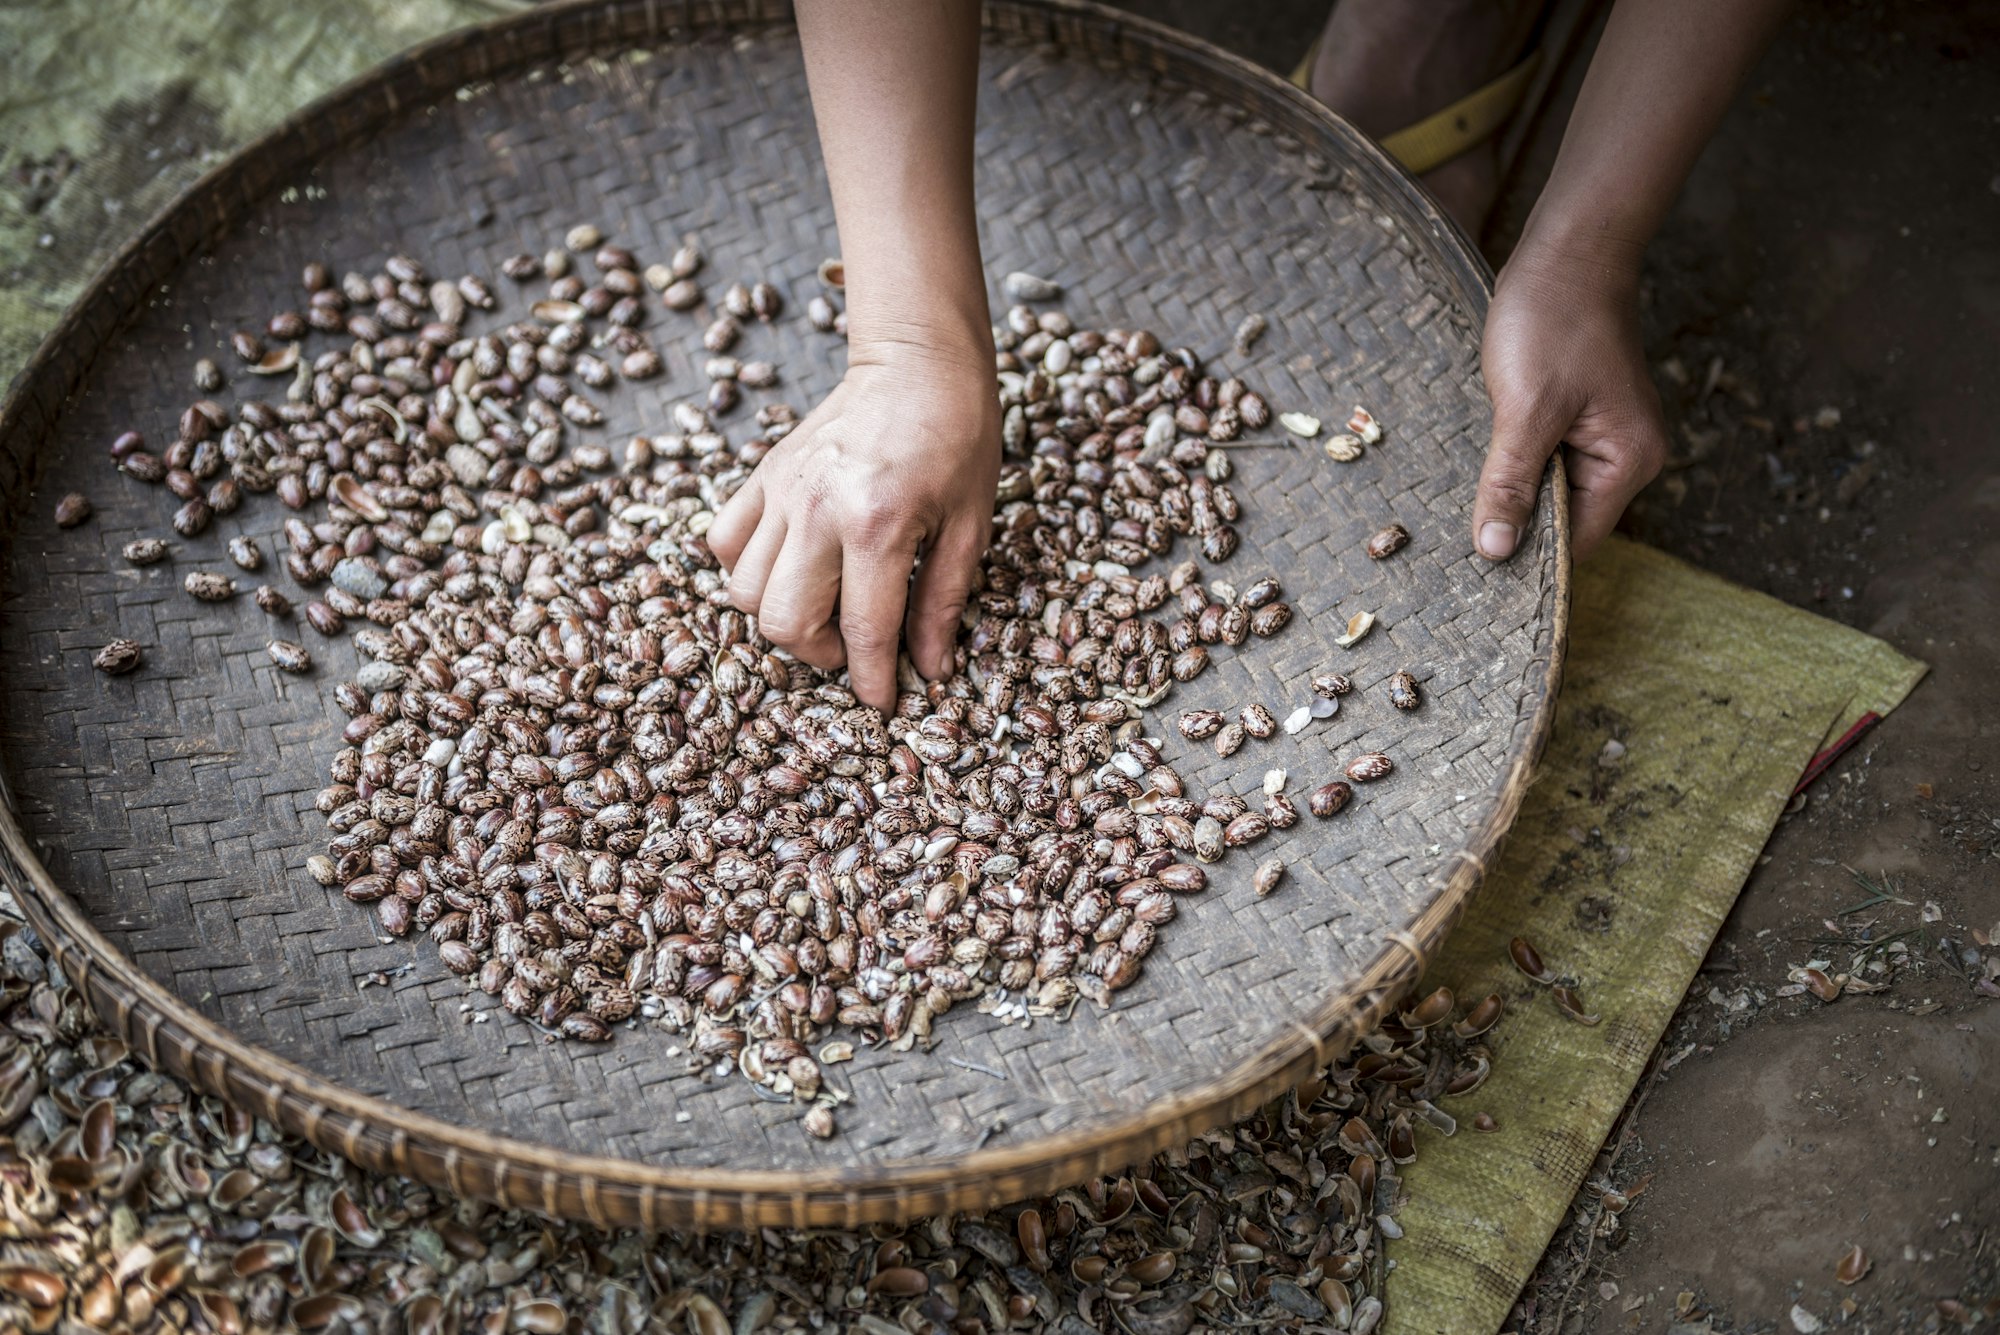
(1165, 189)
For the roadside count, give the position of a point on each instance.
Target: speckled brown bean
(209, 587)
(721, 335)
(192, 519)
(1199, 724)
(245, 552)
(1188, 664)
(272, 601)
(1246, 828)
(1329, 798)
(1230, 740)
(72, 510)
(289, 656)
(1235, 624)
(641, 364)
(145, 551)
(1403, 692)
(1264, 591)
(1332, 685)
(322, 618)
(117, 658)
(1269, 873)
(1388, 541)
(1269, 620)
(1369, 767)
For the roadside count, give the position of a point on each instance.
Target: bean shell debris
(1302, 425)
(1358, 627)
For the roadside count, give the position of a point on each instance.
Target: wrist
(1579, 252)
(952, 337)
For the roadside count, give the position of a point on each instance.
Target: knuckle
(1510, 491)
(1631, 468)
(866, 637)
(782, 627)
(880, 517)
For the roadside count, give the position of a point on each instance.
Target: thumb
(943, 585)
(1524, 436)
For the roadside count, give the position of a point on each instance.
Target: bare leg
(1387, 64)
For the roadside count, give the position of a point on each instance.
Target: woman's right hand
(894, 471)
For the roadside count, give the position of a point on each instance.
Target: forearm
(1663, 74)
(894, 84)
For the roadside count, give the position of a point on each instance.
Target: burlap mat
(1690, 706)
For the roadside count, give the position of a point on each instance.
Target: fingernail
(1496, 540)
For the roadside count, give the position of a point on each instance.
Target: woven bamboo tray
(157, 825)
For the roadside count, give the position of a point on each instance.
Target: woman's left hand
(1563, 365)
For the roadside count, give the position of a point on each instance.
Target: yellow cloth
(1620, 870)
(1443, 135)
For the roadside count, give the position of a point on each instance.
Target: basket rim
(610, 1190)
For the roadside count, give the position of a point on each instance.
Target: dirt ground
(1823, 312)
